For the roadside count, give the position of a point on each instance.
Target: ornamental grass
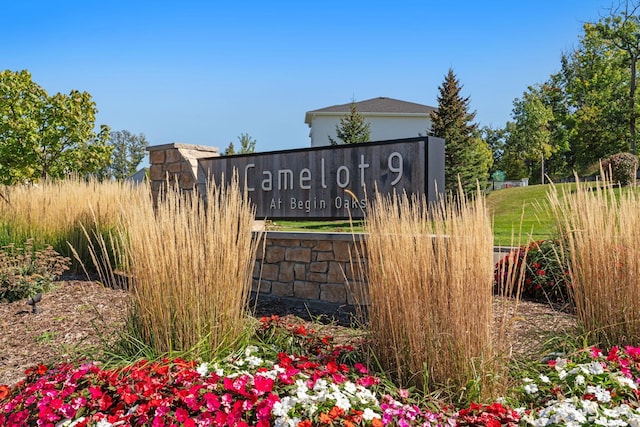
(53, 212)
(430, 274)
(600, 230)
(188, 264)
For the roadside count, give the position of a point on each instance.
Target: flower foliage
(592, 388)
(545, 275)
(251, 388)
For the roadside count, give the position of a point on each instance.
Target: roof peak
(381, 104)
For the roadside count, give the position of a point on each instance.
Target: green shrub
(25, 271)
(623, 167)
(545, 278)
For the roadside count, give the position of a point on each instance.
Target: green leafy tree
(621, 29)
(467, 155)
(352, 128)
(128, 151)
(495, 139)
(44, 136)
(532, 134)
(513, 161)
(596, 82)
(247, 145)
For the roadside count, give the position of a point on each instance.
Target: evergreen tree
(230, 150)
(247, 145)
(467, 156)
(353, 128)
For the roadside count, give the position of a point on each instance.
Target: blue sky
(205, 72)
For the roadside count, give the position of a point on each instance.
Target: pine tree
(352, 128)
(465, 152)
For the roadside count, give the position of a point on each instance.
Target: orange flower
(305, 423)
(4, 391)
(376, 422)
(336, 412)
(324, 418)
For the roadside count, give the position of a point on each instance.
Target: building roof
(381, 105)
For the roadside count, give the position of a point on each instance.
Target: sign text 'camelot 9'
(332, 182)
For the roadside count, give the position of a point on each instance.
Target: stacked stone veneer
(311, 267)
(176, 162)
(304, 267)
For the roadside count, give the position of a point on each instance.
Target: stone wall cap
(313, 235)
(181, 145)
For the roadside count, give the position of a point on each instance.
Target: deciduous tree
(622, 30)
(44, 136)
(128, 151)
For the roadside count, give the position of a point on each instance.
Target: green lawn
(528, 206)
(508, 207)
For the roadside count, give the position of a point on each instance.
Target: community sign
(333, 182)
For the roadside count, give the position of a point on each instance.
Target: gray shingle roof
(379, 105)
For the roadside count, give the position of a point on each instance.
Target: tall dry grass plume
(53, 212)
(190, 265)
(430, 274)
(600, 227)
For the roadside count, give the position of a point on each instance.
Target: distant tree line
(583, 113)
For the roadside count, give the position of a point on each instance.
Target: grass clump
(430, 278)
(188, 264)
(600, 230)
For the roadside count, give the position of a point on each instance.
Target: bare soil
(80, 318)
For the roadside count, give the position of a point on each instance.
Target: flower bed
(315, 382)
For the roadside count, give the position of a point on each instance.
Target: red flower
(262, 384)
(305, 423)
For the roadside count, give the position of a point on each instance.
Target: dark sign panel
(335, 181)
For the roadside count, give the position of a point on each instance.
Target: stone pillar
(176, 162)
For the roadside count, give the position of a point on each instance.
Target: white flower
(254, 361)
(560, 364)
(544, 379)
(562, 374)
(590, 407)
(68, 423)
(350, 387)
(203, 369)
(601, 394)
(218, 370)
(531, 388)
(595, 368)
(626, 382)
(580, 380)
(562, 413)
(368, 414)
(320, 385)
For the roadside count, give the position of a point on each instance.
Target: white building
(389, 118)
